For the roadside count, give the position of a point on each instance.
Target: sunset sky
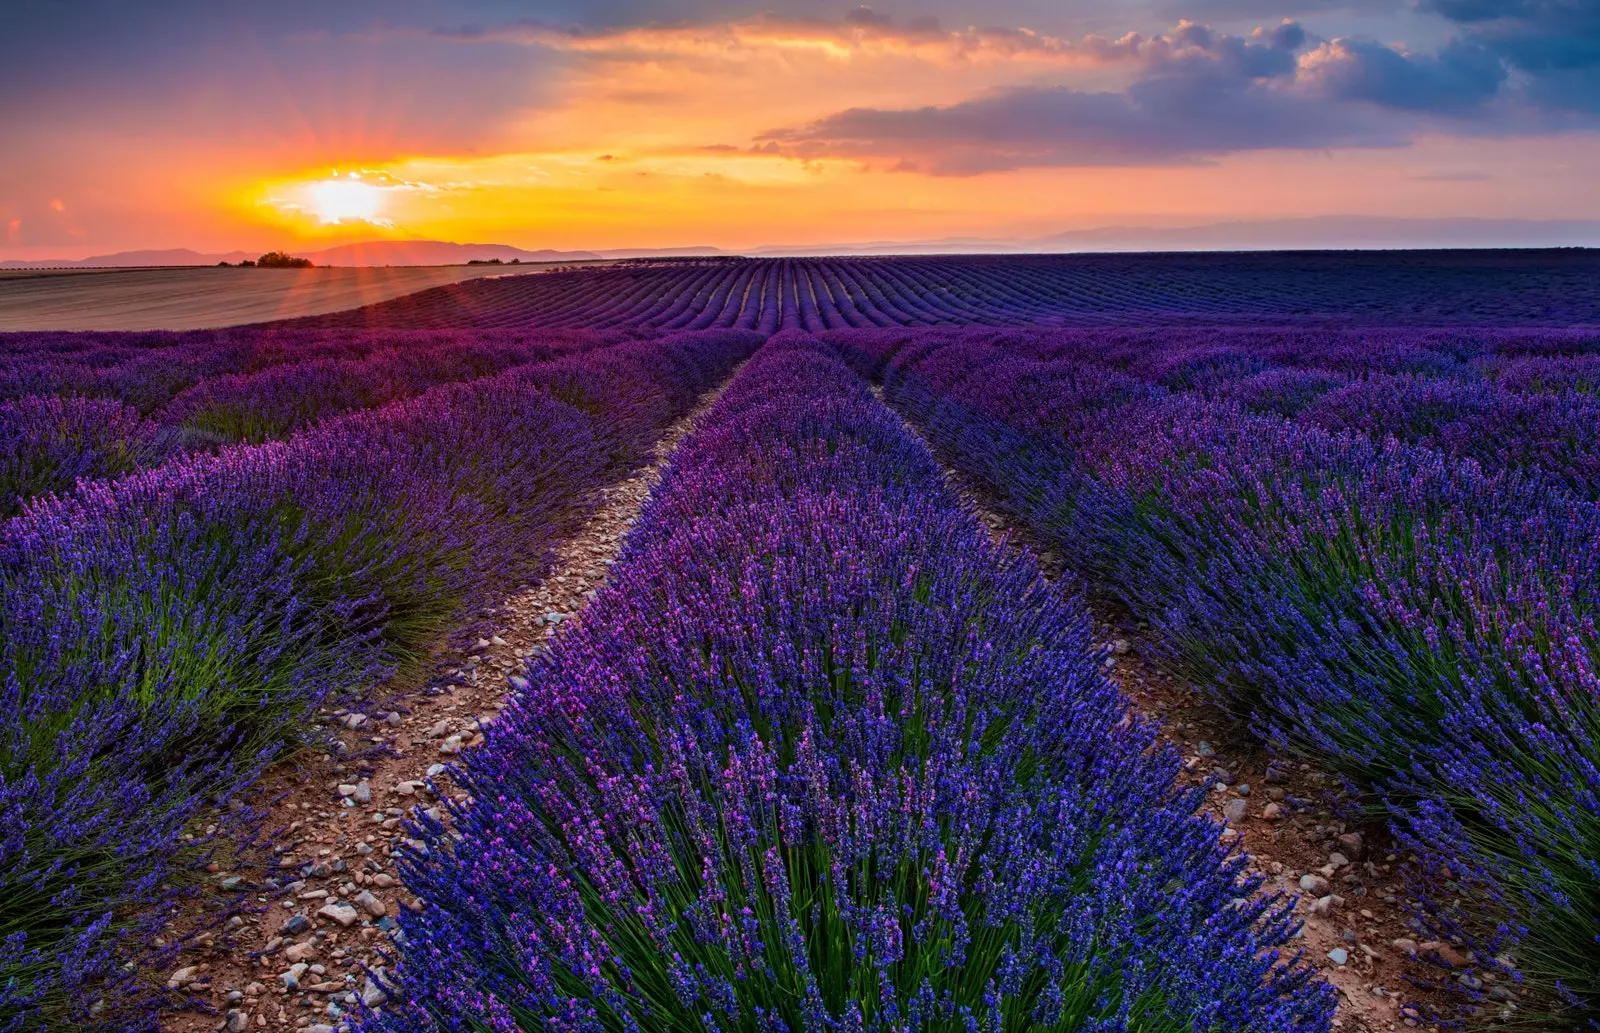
(301, 123)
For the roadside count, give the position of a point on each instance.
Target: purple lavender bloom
(1542, 373)
(148, 370)
(274, 401)
(168, 631)
(820, 757)
(1285, 391)
(254, 386)
(1539, 432)
(1423, 622)
(47, 444)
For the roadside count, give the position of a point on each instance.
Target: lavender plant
(1544, 433)
(823, 757)
(165, 633)
(288, 381)
(273, 402)
(1417, 621)
(47, 444)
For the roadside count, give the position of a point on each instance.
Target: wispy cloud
(861, 34)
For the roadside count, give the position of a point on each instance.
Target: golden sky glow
(336, 200)
(800, 130)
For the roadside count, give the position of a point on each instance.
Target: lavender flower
(823, 757)
(47, 444)
(167, 632)
(1418, 620)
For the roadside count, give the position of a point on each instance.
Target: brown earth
(1346, 878)
(1285, 815)
(344, 818)
(199, 297)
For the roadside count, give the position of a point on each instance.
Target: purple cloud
(1460, 79)
(1200, 95)
(1553, 44)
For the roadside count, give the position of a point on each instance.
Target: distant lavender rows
(822, 757)
(96, 405)
(99, 405)
(1384, 553)
(147, 369)
(165, 633)
(1445, 288)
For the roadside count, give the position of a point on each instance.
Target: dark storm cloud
(1554, 44)
(1164, 121)
(1458, 80)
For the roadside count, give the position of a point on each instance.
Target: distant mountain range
(1330, 233)
(372, 253)
(171, 256)
(1322, 233)
(439, 252)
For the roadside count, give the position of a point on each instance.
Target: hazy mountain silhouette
(1330, 232)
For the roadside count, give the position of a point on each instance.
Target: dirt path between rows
(300, 956)
(1285, 815)
(300, 959)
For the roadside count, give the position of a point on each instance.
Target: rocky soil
(313, 939)
(1295, 822)
(311, 944)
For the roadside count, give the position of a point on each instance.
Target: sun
(345, 200)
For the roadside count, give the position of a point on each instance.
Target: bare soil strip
(344, 817)
(1299, 828)
(1286, 815)
(301, 957)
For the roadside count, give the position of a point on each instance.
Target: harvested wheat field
(194, 298)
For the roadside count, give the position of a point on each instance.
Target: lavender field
(841, 734)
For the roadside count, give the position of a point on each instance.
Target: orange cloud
(675, 134)
(786, 130)
(862, 36)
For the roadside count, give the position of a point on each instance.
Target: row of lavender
(1446, 288)
(101, 405)
(165, 634)
(146, 369)
(822, 757)
(1423, 622)
(1525, 400)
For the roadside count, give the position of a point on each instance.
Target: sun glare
(345, 200)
